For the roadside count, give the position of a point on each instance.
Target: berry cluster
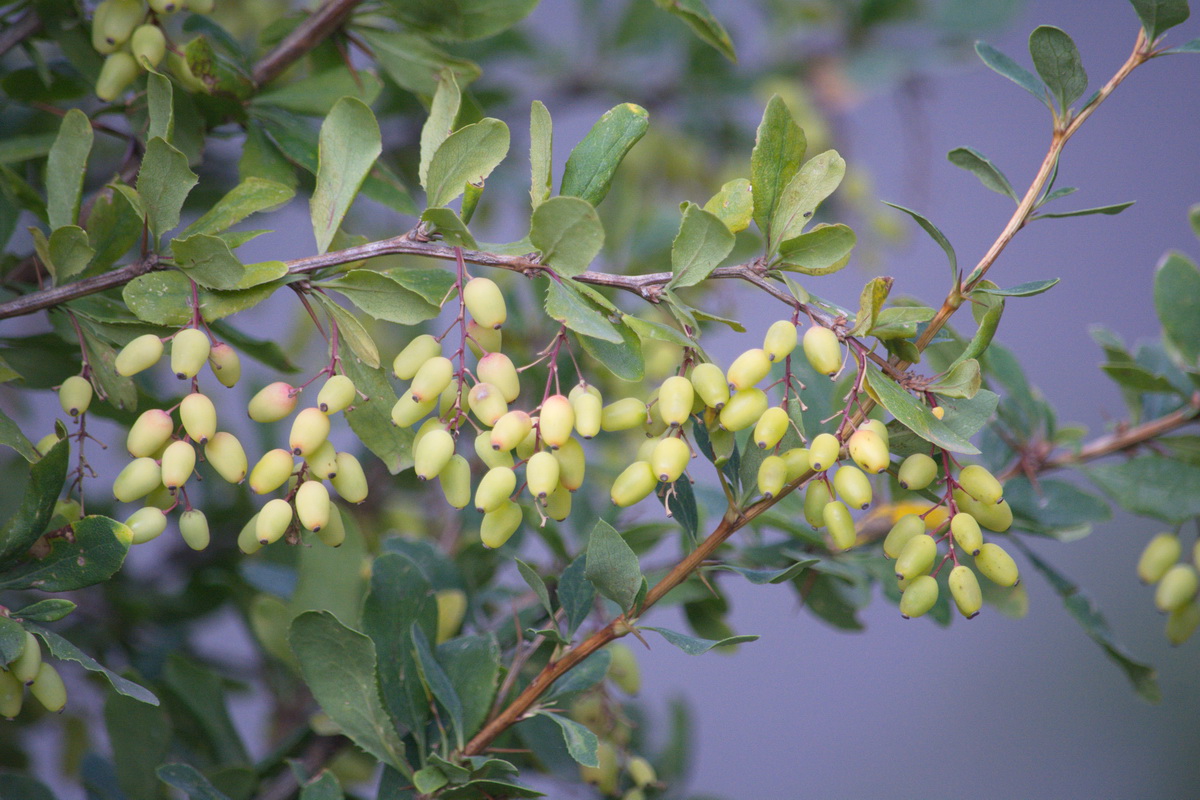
(1177, 584)
(28, 669)
(129, 36)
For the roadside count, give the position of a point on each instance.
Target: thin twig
(310, 33)
(29, 24)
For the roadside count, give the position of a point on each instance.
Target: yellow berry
(634, 484)
(823, 350)
(556, 421)
(432, 377)
(938, 412)
(489, 456)
(193, 527)
(75, 395)
(178, 462)
(869, 451)
(495, 488)
(981, 484)
(432, 454)
(1182, 623)
(669, 458)
(146, 524)
(247, 541)
(675, 398)
(141, 353)
(840, 524)
(623, 669)
(322, 462)
(626, 413)
(917, 472)
(744, 408)
(271, 471)
(451, 608)
(916, 557)
(997, 565)
(880, 430)
(47, 442)
(558, 504)
(333, 534)
(606, 776)
(640, 770)
(148, 46)
(25, 666)
(499, 525)
(225, 454)
(139, 477)
(48, 688)
(589, 412)
(966, 532)
(273, 402)
(572, 464)
(499, 370)
(823, 451)
(483, 340)
(797, 462)
(772, 475)
(487, 403)
(455, 480)
(406, 411)
(224, 362)
(709, 383)
(485, 302)
(853, 486)
(1161, 553)
(771, 427)
(310, 430)
(920, 595)
(541, 474)
(780, 340)
(336, 395)
(149, 432)
(414, 355)
(510, 430)
(816, 497)
(273, 521)
(312, 505)
(997, 517)
(1177, 587)
(748, 369)
(905, 528)
(964, 588)
(113, 23)
(189, 352)
(199, 417)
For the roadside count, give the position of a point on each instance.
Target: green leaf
(575, 593)
(52, 609)
(349, 144)
(1159, 16)
(208, 261)
(981, 167)
(649, 330)
(702, 22)
(1151, 485)
(317, 95)
(1003, 65)
(413, 63)
(69, 252)
(66, 167)
(870, 301)
(733, 205)
(46, 478)
(93, 555)
(1187, 47)
(987, 312)
(159, 102)
(962, 381)
(568, 233)
(113, 227)
(11, 436)
(429, 780)
(1056, 59)
(472, 664)
(934, 233)
(164, 298)
(1027, 289)
(190, 781)
(822, 251)
(1137, 378)
(612, 566)
(22, 787)
(63, 650)
(12, 640)
(437, 128)
(530, 576)
(591, 165)
(447, 224)
(467, 156)
(15, 149)
(541, 154)
(461, 21)
(435, 678)
(164, 182)
(779, 147)
(900, 321)
(1177, 302)
(566, 305)
(371, 420)
(140, 736)
(916, 416)
(623, 359)
(486, 789)
(250, 196)
(581, 743)
(695, 646)
(701, 245)
(382, 296)
(1054, 508)
(761, 577)
(324, 786)
(338, 664)
(199, 692)
(815, 181)
(1142, 676)
(1111, 210)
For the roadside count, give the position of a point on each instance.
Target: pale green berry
(744, 408)
(148, 46)
(669, 458)
(451, 608)
(541, 474)
(967, 534)
(483, 340)
(333, 534)
(556, 421)
(310, 430)
(499, 370)
(995, 517)
(771, 427)
(1182, 623)
(495, 488)
(225, 454)
(823, 350)
(823, 451)
(1161, 553)
(139, 477)
(25, 666)
(149, 433)
(224, 362)
(432, 454)
(75, 395)
(558, 504)
(247, 540)
(322, 462)
(510, 430)
(407, 411)
(274, 519)
(816, 497)
(964, 588)
(271, 471)
(797, 462)
(140, 354)
(880, 430)
(1177, 587)
(46, 444)
(748, 369)
(853, 486)
(485, 302)
(916, 557)
(113, 23)
(487, 403)
(489, 456)
(919, 596)
(710, 385)
(840, 524)
(589, 409)
(572, 464)
(675, 398)
(193, 527)
(433, 376)
(905, 528)
(414, 355)
(606, 776)
(336, 394)
(997, 565)
(189, 352)
(273, 402)
(146, 524)
(917, 472)
(199, 417)
(116, 73)
(869, 451)
(166, 6)
(455, 480)
(772, 475)
(780, 340)
(498, 526)
(312, 505)
(178, 463)
(981, 485)
(623, 414)
(200, 6)
(48, 688)
(12, 695)
(623, 669)
(634, 484)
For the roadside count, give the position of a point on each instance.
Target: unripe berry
(823, 350)
(310, 430)
(433, 376)
(46, 443)
(623, 670)
(483, 340)
(432, 454)
(556, 421)
(917, 472)
(225, 454)
(495, 488)
(966, 532)
(407, 411)
(149, 432)
(139, 477)
(199, 417)
(146, 524)
(166, 6)
(748, 369)
(772, 475)
(869, 451)
(161, 498)
(964, 588)
(224, 362)
(634, 484)
(75, 395)
(114, 22)
(780, 340)
(246, 540)
(816, 497)
(12, 695)
(675, 398)
(414, 355)
(322, 462)
(527, 446)
(1182, 623)
(771, 427)
(640, 770)
(140, 354)
(498, 526)
(840, 524)
(920, 596)
(606, 776)
(273, 402)
(200, 6)
(189, 350)
(498, 370)
(997, 565)
(456, 481)
(487, 404)
(654, 425)
(981, 484)
(709, 383)
(454, 393)
(178, 462)
(1177, 587)
(797, 462)
(148, 46)
(589, 412)
(880, 430)
(1161, 553)
(558, 504)
(509, 430)
(431, 424)
(271, 471)
(853, 486)
(626, 413)
(25, 666)
(572, 464)
(273, 521)
(541, 474)
(489, 457)
(451, 608)
(645, 451)
(312, 505)
(723, 444)
(905, 528)
(669, 458)
(823, 451)
(336, 394)
(997, 517)
(334, 533)
(48, 688)
(485, 302)
(916, 557)
(193, 527)
(743, 409)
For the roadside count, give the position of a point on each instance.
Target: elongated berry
(166, 6)
(193, 528)
(113, 23)
(432, 454)
(634, 484)
(772, 475)
(451, 608)
(623, 670)
(12, 695)
(669, 458)
(1161, 553)
(623, 414)
(487, 403)
(964, 588)
(572, 464)
(510, 430)
(996, 517)
(407, 411)
(981, 484)
(414, 355)
(498, 526)
(1177, 587)
(139, 477)
(310, 430)
(46, 443)
(1182, 623)
(840, 524)
(499, 370)
(75, 395)
(149, 432)
(312, 505)
(853, 486)
(919, 596)
(675, 398)
(589, 413)
(771, 427)
(823, 350)
(556, 421)
(148, 46)
(433, 376)
(273, 521)
(224, 362)
(48, 688)
(780, 340)
(178, 462)
(25, 666)
(485, 302)
(189, 352)
(199, 417)
(454, 394)
(558, 504)
(823, 451)
(905, 528)
(334, 533)
(225, 454)
(916, 557)
(654, 426)
(455, 480)
(641, 772)
(997, 565)
(917, 472)
(247, 541)
(146, 523)
(116, 73)
(605, 777)
(797, 462)
(483, 340)
(816, 497)
(336, 394)
(495, 488)
(541, 474)
(489, 457)
(869, 451)
(140, 354)
(967, 534)
(748, 369)
(322, 462)
(744, 408)
(273, 402)
(880, 430)
(271, 471)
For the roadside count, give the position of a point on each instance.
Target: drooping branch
(27, 25)
(307, 35)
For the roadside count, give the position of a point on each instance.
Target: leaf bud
(744, 408)
(1177, 587)
(271, 471)
(498, 526)
(48, 688)
(634, 484)
(916, 557)
(853, 486)
(273, 521)
(869, 451)
(193, 527)
(981, 484)
(273, 402)
(139, 477)
(487, 404)
(556, 421)
(771, 427)
(75, 395)
(623, 414)
(224, 362)
(572, 464)
(140, 354)
(997, 565)
(823, 350)
(748, 369)
(498, 370)
(310, 430)
(485, 302)
(919, 596)
(455, 481)
(146, 523)
(432, 454)
(780, 340)
(414, 355)
(840, 524)
(199, 417)
(917, 472)
(451, 608)
(189, 352)
(149, 432)
(964, 588)
(823, 451)
(178, 462)
(675, 398)
(669, 458)
(772, 475)
(225, 454)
